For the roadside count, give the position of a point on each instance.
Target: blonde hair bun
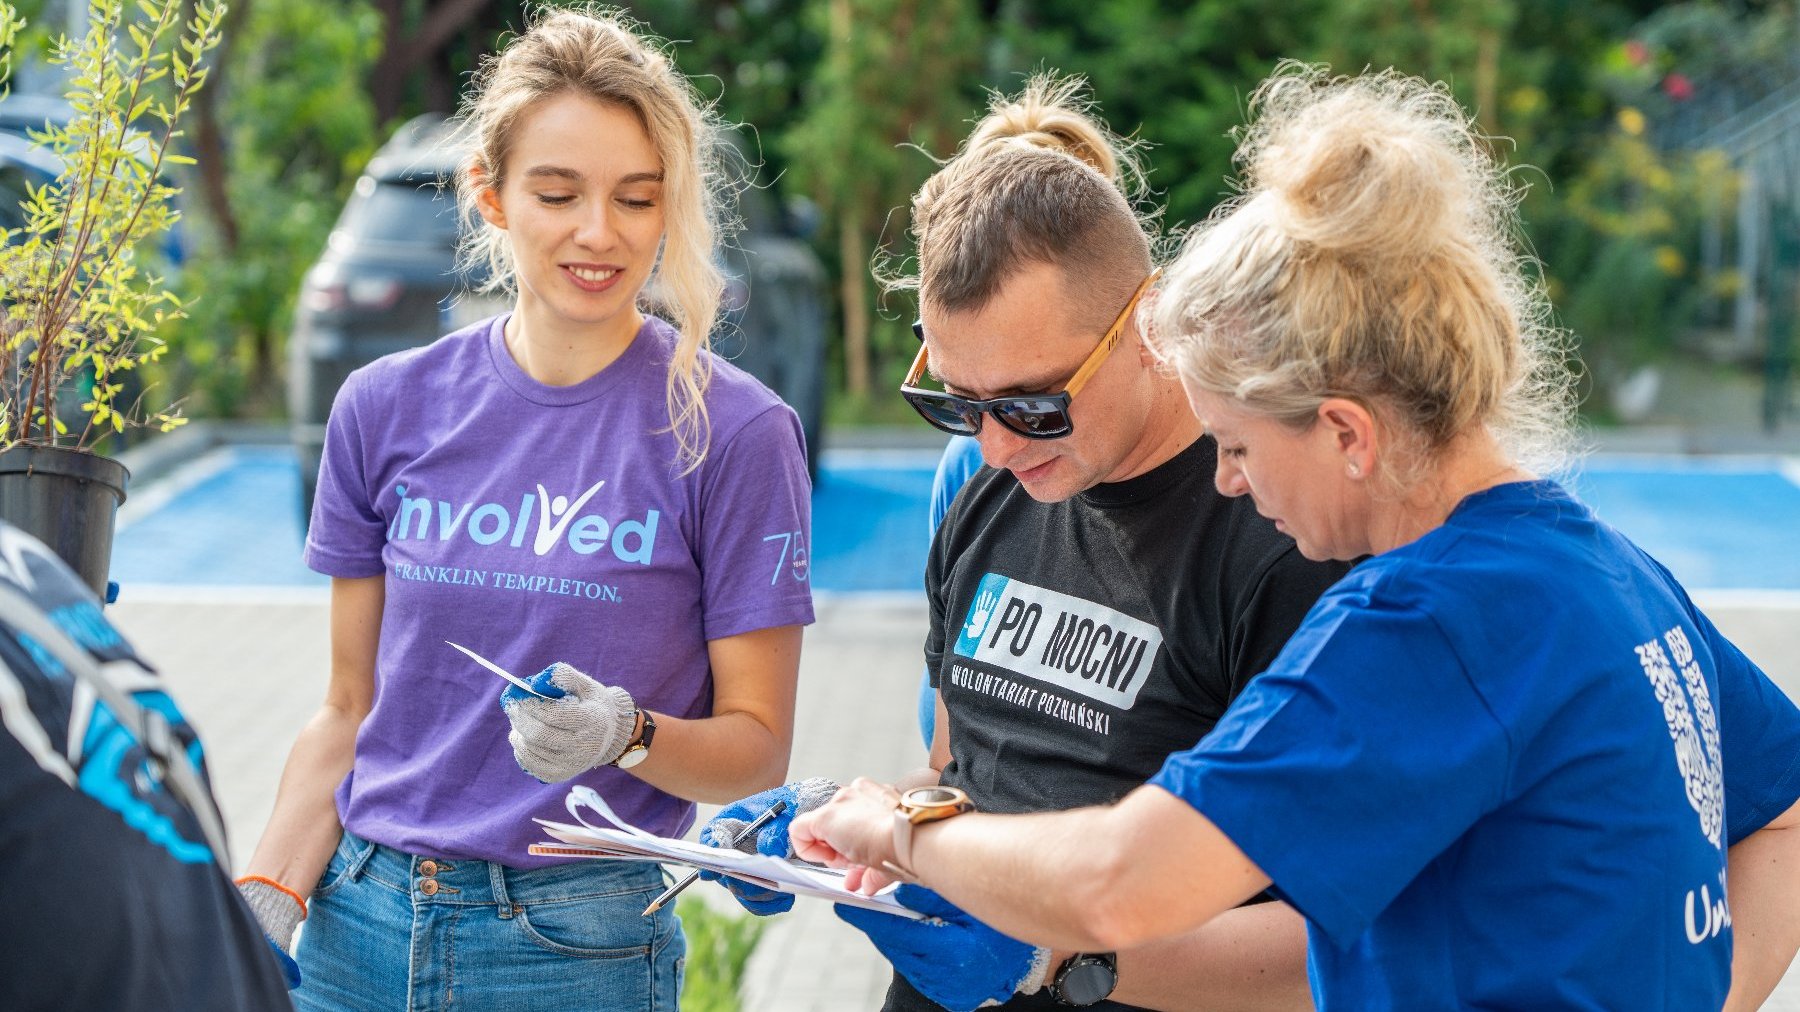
(1374, 252)
(1054, 114)
(1375, 166)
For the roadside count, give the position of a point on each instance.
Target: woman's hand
(569, 726)
(856, 827)
(868, 881)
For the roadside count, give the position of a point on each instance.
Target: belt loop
(502, 902)
(361, 852)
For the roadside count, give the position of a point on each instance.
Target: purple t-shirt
(535, 524)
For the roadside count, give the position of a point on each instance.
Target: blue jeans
(390, 931)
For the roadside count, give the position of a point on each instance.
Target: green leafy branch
(78, 308)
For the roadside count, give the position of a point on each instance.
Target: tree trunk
(386, 88)
(1487, 80)
(214, 166)
(853, 255)
(404, 52)
(209, 138)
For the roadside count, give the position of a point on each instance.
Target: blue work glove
(771, 840)
(290, 970)
(949, 956)
(583, 725)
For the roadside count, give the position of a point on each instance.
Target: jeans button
(429, 887)
(428, 867)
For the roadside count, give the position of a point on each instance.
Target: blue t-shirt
(1499, 767)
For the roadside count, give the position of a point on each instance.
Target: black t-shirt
(109, 894)
(1078, 644)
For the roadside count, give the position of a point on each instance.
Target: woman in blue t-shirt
(1505, 763)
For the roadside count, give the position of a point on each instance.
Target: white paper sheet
(626, 842)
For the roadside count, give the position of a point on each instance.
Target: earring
(1354, 470)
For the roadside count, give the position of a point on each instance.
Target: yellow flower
(1670, 261)
(1631, 121)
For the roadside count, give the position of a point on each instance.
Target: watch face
(1087, 981)
(930, 796)
(633, 755)
(928, 804)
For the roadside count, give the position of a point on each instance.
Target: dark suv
(21, 165)
(388, 281)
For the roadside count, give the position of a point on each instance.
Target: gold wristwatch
(919, 805)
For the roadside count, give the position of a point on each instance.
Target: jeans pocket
(353, 852)
(597, 928)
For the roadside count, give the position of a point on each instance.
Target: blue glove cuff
(289, 969)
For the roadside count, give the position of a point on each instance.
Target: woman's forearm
(715, 759)
(743, 747)
(303, 829)
(1763, 873)
(1090, 879)
(1249, 959)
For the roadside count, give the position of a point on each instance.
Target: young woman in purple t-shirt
(573, 487)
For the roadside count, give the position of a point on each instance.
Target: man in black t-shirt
(1095, 603)
(112, 894)
(1094, 609)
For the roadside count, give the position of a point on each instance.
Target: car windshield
(402, 211)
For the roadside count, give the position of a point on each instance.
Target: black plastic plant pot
(67, 499)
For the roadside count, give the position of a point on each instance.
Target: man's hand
(726, 830)
(583, 725)
(950, 957)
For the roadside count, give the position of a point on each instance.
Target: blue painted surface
(240, 526)
(869, 525)
(1716, 524)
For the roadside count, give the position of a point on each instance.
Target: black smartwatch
(1085, 978)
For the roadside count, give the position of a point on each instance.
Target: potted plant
(80, 310)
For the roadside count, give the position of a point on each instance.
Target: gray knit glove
(584, 724)
(276, 910)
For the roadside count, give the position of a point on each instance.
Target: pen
(687, 880)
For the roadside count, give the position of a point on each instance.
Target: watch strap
(903, 834)
(635, 751)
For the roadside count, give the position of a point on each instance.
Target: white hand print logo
(980, 614)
